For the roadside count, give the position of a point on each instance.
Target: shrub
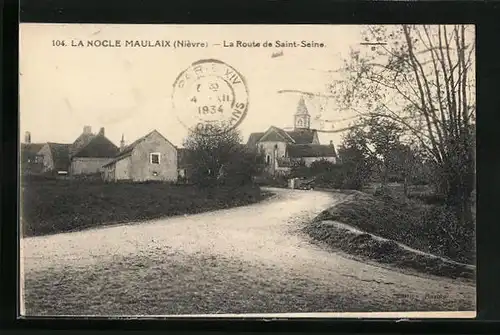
(430, 228)
(440, 227)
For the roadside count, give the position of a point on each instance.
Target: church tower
(302, 117)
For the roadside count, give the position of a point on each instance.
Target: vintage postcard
(257, 170)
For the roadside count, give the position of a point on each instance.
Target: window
(154, 158)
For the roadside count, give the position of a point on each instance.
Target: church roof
(298, 136)
(310, 150)
(302, 136)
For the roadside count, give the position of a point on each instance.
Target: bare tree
(422, 77)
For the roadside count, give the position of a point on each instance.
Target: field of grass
(50, 206)
(427, 228)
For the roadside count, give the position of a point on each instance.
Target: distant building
(86, 155)
(30, 161)
(90, 152)
(282, 148)
(151, 157)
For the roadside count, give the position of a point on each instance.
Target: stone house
(30, 161)
(85, 156)
(89, 153)
(282, 148)
(151, 157)
(55, 158)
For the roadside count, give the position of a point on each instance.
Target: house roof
(60, 155)
(30, 150)
(310, 150)
(80, 142)
(253, 139)
(98, 146)
(127, 151)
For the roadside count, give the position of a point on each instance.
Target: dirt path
(242, 260)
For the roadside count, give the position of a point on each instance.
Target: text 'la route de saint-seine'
(99, 43)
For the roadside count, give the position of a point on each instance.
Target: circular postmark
(210, 97)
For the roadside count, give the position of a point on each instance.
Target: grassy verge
(426, 228)
(55, 206)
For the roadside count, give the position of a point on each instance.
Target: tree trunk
(405, 185)
(459, 197)
(383, 176)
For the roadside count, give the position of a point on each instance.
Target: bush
(440, 227)
(429, 228)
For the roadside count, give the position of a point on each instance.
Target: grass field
(50, 206)
(427, 228)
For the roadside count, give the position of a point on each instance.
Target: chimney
(101, 131)
(27, 137)
(87, 129)
(122, 143)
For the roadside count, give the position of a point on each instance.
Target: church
(282, 148)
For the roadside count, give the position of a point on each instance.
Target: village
(153, 157)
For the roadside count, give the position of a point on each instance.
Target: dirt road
(249, 259)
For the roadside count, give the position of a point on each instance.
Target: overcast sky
(127, 90)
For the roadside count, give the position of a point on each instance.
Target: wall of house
(122, 169)
(310, 160)
(87, 165)
(141, 167)
(108, 173)
(268, 149)
(46, 157)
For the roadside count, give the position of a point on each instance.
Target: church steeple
(302, 117)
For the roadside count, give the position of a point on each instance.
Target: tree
(407, 165)
(422, 77)
(218, 157)
(383, 136)
(299, 169)
(356, 159)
